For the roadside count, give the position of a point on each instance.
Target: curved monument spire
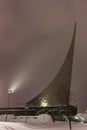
(58, 91)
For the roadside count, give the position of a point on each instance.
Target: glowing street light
(10, 91)
(9, 97)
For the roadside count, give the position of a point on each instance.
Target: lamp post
(8, 102)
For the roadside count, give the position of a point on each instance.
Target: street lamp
(9, 97)
(8, 102)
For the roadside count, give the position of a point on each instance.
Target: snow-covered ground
(82, 116)
(51, 126)
(42, 122)
(43, 118)
(13, 126)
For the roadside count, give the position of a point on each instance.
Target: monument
(55, 99)
(58, 91)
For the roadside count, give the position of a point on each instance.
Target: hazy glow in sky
(34, 39)
(19, 80)
(16, 84)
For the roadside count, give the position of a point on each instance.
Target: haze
(35, 36)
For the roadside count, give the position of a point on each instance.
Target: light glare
(44, 103)
(16, 84)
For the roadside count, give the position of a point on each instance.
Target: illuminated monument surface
(54, 100)
(58, 91)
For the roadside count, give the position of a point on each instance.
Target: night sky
(35, 36)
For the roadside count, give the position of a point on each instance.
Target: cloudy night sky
(35, 36)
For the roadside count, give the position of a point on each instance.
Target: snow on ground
(41, 122)
(13, 126)
(43, 118)
(51, 126)
(82, 116)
